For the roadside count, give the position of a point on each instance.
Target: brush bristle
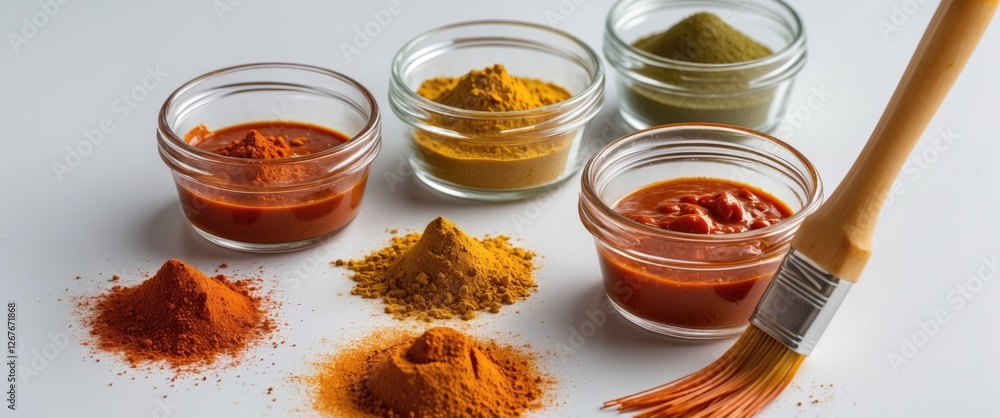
(739, 384)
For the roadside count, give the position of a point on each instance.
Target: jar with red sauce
(273, 203)
(696, 266)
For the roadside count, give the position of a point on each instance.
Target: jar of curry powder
(503, 155)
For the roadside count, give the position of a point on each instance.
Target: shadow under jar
(533, 149)
(682, 284)
(312, 196)
(655, 90)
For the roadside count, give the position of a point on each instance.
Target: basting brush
(831, 247)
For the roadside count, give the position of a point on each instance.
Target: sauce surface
(256, 214)
(703, 206)
(720, 295)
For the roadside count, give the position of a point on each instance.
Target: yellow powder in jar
(492, 157)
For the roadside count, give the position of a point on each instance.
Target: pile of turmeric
(487, 156)
(492, 90)
(442, 373)
(444, 273)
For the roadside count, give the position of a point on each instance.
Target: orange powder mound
(179, 316)
(258, 147)
(442, 373)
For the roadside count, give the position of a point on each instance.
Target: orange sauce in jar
(712, 296)
(261, 203)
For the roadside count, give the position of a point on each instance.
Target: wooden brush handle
(839, 235)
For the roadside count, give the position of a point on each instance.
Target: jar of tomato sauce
(270, 203)
(696, 280)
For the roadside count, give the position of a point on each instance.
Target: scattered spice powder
(489, 159)
(442, 373)
(179, 316)
(443, 273)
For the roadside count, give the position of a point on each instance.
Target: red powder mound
(179, 315)
(258, 147)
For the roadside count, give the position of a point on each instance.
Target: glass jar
(535, 149)
(302, 210)
(654, 90)
(692, 285)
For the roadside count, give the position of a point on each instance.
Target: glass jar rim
(165, 128)
(590, 194)
(596, 78)
(795, 46)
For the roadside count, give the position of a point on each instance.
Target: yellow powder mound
(492, 89)
(444, 273)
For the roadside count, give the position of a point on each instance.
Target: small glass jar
(691, 285)
(326, 191)
(537, 148)
(654, 90)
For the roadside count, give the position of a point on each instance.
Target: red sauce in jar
(722, 295)
(261, 203)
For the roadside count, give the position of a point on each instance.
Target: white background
(115, 213)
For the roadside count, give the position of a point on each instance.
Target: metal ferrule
(799, 304)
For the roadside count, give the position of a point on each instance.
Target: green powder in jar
(703, 38)
(701, 95)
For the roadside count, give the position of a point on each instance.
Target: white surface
(115, 213)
